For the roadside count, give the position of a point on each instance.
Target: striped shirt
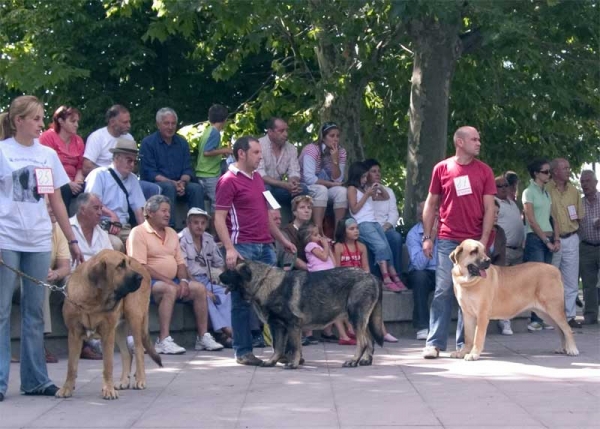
(314, 166)
(587, 231)
(276, 167)
(247, 211)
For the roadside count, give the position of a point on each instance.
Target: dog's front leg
(294, 347)
(107, 333)
(470, 322)
(75, 342)
(480, 333)
(279, 336)
(121, 339)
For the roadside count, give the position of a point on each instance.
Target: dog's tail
(376, 318)
(149, 346)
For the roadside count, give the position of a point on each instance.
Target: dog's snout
(486, 263)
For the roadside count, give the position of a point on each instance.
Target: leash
(53, 288)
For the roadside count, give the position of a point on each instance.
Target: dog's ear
(245, 272)
(455, 255)
(97, 274)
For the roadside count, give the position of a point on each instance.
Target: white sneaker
(130, 345)
(422, 334)
(207, 342)
(504, 326)
(430, 352)
(168, 347)
(535, 326)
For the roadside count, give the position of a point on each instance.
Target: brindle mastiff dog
(486, 291)
(103, 290)
(290, 301)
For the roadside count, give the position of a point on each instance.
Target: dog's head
(111, 272)
(237, 279)
(470, 260)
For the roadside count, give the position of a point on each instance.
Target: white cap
(197, 211)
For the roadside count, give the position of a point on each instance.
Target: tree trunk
(437, 48)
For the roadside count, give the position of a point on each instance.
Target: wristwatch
(184, 280)
(547, 240)
(425, 237)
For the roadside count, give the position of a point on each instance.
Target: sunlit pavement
(518, 383)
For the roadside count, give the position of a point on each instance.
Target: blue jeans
(394, 239)
(241, 311)
(443, 298)
(283, 196)
(422, 283)
(34, 374)
(536, 251)
(149, 189)
(194, 195)
(371, 233)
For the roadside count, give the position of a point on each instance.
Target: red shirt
(461, 216)
(247, 210)
(349, 258)
(71, 157)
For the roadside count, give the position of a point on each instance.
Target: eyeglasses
(506, 185)
(544, 171)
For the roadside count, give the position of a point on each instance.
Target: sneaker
(329, 338)
(312, 340)
(249, 359)
(389, 338)
(575, 324)
(258, 341)
(207, 342)
(130, 345)
(431, 352)
(422, 334)
(547, 327)
(505, 328)
(168, 347)
(535, 326)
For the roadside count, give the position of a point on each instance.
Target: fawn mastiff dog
(103, 290)
(486, 291)
(290, 301)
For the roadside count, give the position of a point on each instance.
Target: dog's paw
(64, 392)
(366, 362)
(458, 354)
(122, 384)
(139, 385)
(350, 364)
(109, 393)
(472, 356)
(269, 363)
(573, 351)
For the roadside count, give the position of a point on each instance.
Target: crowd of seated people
(113, 208)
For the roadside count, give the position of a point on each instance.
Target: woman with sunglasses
(322, 165)
(62, 137)
(542, 238)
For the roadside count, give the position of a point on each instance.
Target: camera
(105, 224)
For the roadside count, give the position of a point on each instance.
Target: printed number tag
(44, 180)
(271, 200)
(462, 186)
(572, 212)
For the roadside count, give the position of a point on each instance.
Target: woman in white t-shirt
(28, 171)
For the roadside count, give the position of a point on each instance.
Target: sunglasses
(544, 171)
(506, 185)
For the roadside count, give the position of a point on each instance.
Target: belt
(517, 247)
(568, 234)
(590, 244)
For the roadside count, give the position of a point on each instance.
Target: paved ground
(519, 383)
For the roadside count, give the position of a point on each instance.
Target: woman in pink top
(62, 137)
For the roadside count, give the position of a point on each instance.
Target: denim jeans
(394, 239)
(536, 251)
(443, 298)
(567, 261)
(194, 195)
(34, 374)
(371, 233)
(422, 283)
(283, 196)
(241, 310)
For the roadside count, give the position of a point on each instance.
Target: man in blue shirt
(421, 274)
(165, 159)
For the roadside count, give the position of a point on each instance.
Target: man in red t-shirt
(463, 188)
(245, 228)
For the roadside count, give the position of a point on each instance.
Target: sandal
(402, 286)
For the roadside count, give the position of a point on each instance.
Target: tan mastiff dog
(103, 290)
(486, 291)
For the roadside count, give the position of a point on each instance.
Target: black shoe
(312, 340)
(575, 324)
(329, 338)
(305, 341)
(249, 359)
(258, 341)
(48, 391)
(578, 303)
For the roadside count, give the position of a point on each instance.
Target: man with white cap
(205, 262)
(120, 192)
